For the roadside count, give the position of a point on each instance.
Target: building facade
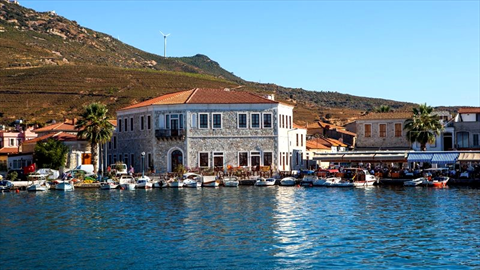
(207, 128)
(467, 128)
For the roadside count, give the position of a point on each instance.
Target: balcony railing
(178, 134)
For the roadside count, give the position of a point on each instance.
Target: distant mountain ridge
(45, 57)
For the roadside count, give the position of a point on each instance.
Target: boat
(230, 181)
(109, 184)
(210, 181)
(362, 178)
(264, 182)
(308, 180)
(65, 186)
(5, 185)
(39, 182)
(144, 182)
(288, 181)
(175, 183)
(337, 182)
(192, 180)
(436, 177)
(439, 181)
(319, 182)
(160, 184)
(127, 182)
(415, 182)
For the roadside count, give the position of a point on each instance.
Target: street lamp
(143, 164)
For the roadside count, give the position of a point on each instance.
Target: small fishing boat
(127, 182)
(39, 183)
(144, 182)
(264, 182)
(64, 186)
(319, 182)
(230, 181)
(288, 181)
(210, 181)
(5, 185)
(175, 183)
(308, 180)
(160, 184)
(439, 181)
(337, 182)
(192, 180)
(109, 184)
(415, 182)
(362, 178)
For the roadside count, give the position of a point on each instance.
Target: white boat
(192, 180)
(49, 173)
(230, 181)
(263, 182)
(39, 183)
(127, 182)
(363, 178)
(415, 182)
(337, 182)
(320, 182)
(308, 180)
(109, 184)
(65, 186)
(175, 183)
(210, 181)
(144, 182)
(160, 184)
(288, 181)
(5, 185)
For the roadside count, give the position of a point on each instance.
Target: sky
(413, 51)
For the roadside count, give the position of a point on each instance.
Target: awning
(419, 157)
(331, 157)
(469, 157)
(390, 157)
(445, 158)
(358, 157)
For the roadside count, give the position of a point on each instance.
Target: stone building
(467, 128)
(206, 128)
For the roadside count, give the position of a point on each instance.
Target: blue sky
(415, 51)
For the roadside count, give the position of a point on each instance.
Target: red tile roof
(328, 142)
(346, 132)
(298, 126)
(9, 150)
(61, 136)
(469, 110)
(65, 126)
(316, 144)
(204, 96)
(387, 115)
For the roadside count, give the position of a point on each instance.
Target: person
(109, 169)
(131, 171)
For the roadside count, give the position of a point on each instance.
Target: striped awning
(390, 157)
(469, 157)
(445, 158)
(419, 157)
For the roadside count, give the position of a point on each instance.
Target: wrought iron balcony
(166, 134)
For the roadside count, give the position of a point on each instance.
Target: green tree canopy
(382, 109)
(423, 126)
(94, 126)
(50, 154)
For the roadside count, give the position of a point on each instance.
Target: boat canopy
(444, 158)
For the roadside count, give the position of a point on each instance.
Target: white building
(208, 128)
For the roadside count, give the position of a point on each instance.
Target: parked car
(121, 168)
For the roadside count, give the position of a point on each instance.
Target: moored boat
(65, 186)
(288, 181)
(175, 183)
(264, 182)
(415, 182)
(127, 182)
(144, 182)
(210, 181)
(109, 184)
(192, 180)
(308, 180)
(230, 181)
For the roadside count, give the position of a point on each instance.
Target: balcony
(170, 134)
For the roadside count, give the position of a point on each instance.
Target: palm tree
(383, 109)
(423, 126)
(94, 126)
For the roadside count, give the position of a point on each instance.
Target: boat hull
(64, 187)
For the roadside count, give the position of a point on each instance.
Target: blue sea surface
(239, 228)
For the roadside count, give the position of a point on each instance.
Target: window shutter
(194, 120)
(161, 122)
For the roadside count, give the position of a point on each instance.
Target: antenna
(164, 43)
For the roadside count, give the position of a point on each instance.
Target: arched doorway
(176, 158)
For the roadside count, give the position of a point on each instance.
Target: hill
(51, 66)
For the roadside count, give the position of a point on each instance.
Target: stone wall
(375, 141)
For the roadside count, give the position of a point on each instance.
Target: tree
(383, 109)
(423, 126)
(50, 154)
(94, 126)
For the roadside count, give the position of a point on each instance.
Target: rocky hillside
(51, 66)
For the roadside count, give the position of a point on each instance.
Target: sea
(242, 228)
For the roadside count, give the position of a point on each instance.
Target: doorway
(177, 159)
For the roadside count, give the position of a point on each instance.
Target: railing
(170, 133)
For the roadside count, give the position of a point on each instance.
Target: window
(194, 120)
(475, 140)
(131, 123)
(110, 145)
(126, 124)
(243, 159)
(142, 124)
(255, 120)
(174, 121)
(132, 159)
(114, 159)
(267, 120)
(290, 122)
(368, 130)
(126, 160)
(203, 120)
(462, 139)
(114, 142)
(398, 130)
(242, 120)
(109, 161)
(12, 142)
(301, 140)
(120, 125)
(203, 160)
(297, 138)
(255, 159)
(216, 120)
(283, 121)
(218, 159)
(382, 130)
(149, 122)
(167, 121)
(267, 158)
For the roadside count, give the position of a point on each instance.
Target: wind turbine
(164, 43)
